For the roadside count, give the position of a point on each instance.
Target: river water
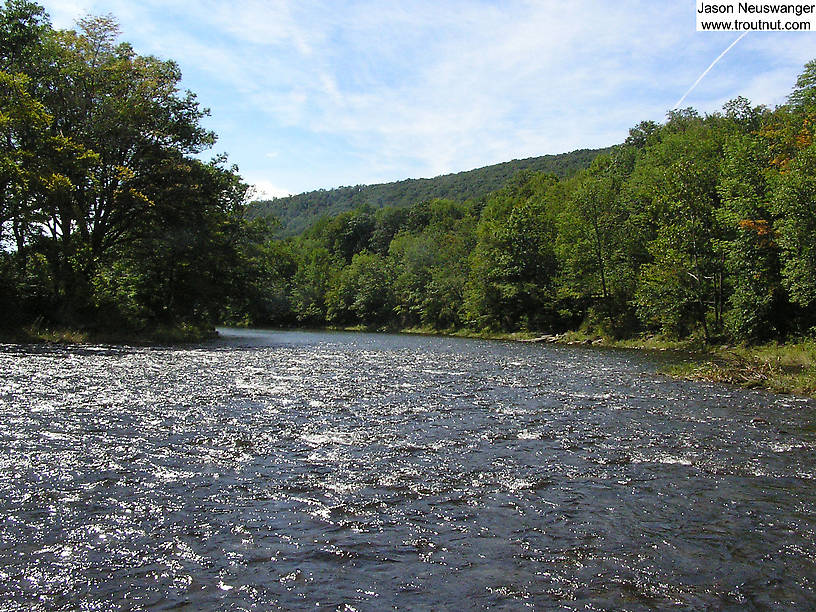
(294, 470)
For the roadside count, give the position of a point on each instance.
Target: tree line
(108, 219)
(702, 226)
(297, 212)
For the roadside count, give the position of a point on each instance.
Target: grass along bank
(38, 334)
(787, 367)
(782, 368)
(779, 367)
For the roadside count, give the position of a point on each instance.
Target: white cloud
(264, 190)
(65, 13)
(391, 89)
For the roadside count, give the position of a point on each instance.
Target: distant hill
(298, 212)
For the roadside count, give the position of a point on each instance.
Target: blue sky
(307, 95)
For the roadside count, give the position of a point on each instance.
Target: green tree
(316, 270)
(756, 302)
(23, 25)
(803, 96)
(361, 292)
(593, 233)
(413, 256)
(103, 206)
(186, 257)
(513, 265)
(683, 284)
(794, 201)
(127, 111)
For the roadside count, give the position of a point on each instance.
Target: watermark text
(751, 16)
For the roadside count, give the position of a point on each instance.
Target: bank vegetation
(700, 230)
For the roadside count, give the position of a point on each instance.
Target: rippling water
(287, 470)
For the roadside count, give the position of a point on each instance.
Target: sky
(307, 95)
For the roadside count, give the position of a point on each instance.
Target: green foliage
(803, 96)
(22, 26)
(794, 202)
(594, 242)
(751, 252)
(361, 292)
(702, 227)
(299, 212)
(513, 264)
(682, 284)
(108, 220)
(316, 268)
(431, 268)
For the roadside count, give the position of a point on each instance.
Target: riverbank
(788, 367)
(781, 368)
(180, 334)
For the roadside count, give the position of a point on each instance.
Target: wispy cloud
(263, 189)
(371, 90)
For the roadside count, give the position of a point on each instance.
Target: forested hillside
(704, 226)
(296, 213)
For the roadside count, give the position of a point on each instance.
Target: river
(348, 471)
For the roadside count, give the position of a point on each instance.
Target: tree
(803, 96)
(794, 201)
(102, 203)
(316, 270)
(594, 243)
(513, 265)
(756, 303)
(23, 25)
(23, 120)
(683, 284)
(125, 112)
(361, 292)
(414, 255)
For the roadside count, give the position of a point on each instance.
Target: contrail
(707, 70)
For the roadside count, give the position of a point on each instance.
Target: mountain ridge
(297, 212)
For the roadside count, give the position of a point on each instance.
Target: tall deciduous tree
(683, 284)
(594, 239)
(97, 179)
(513, 265)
